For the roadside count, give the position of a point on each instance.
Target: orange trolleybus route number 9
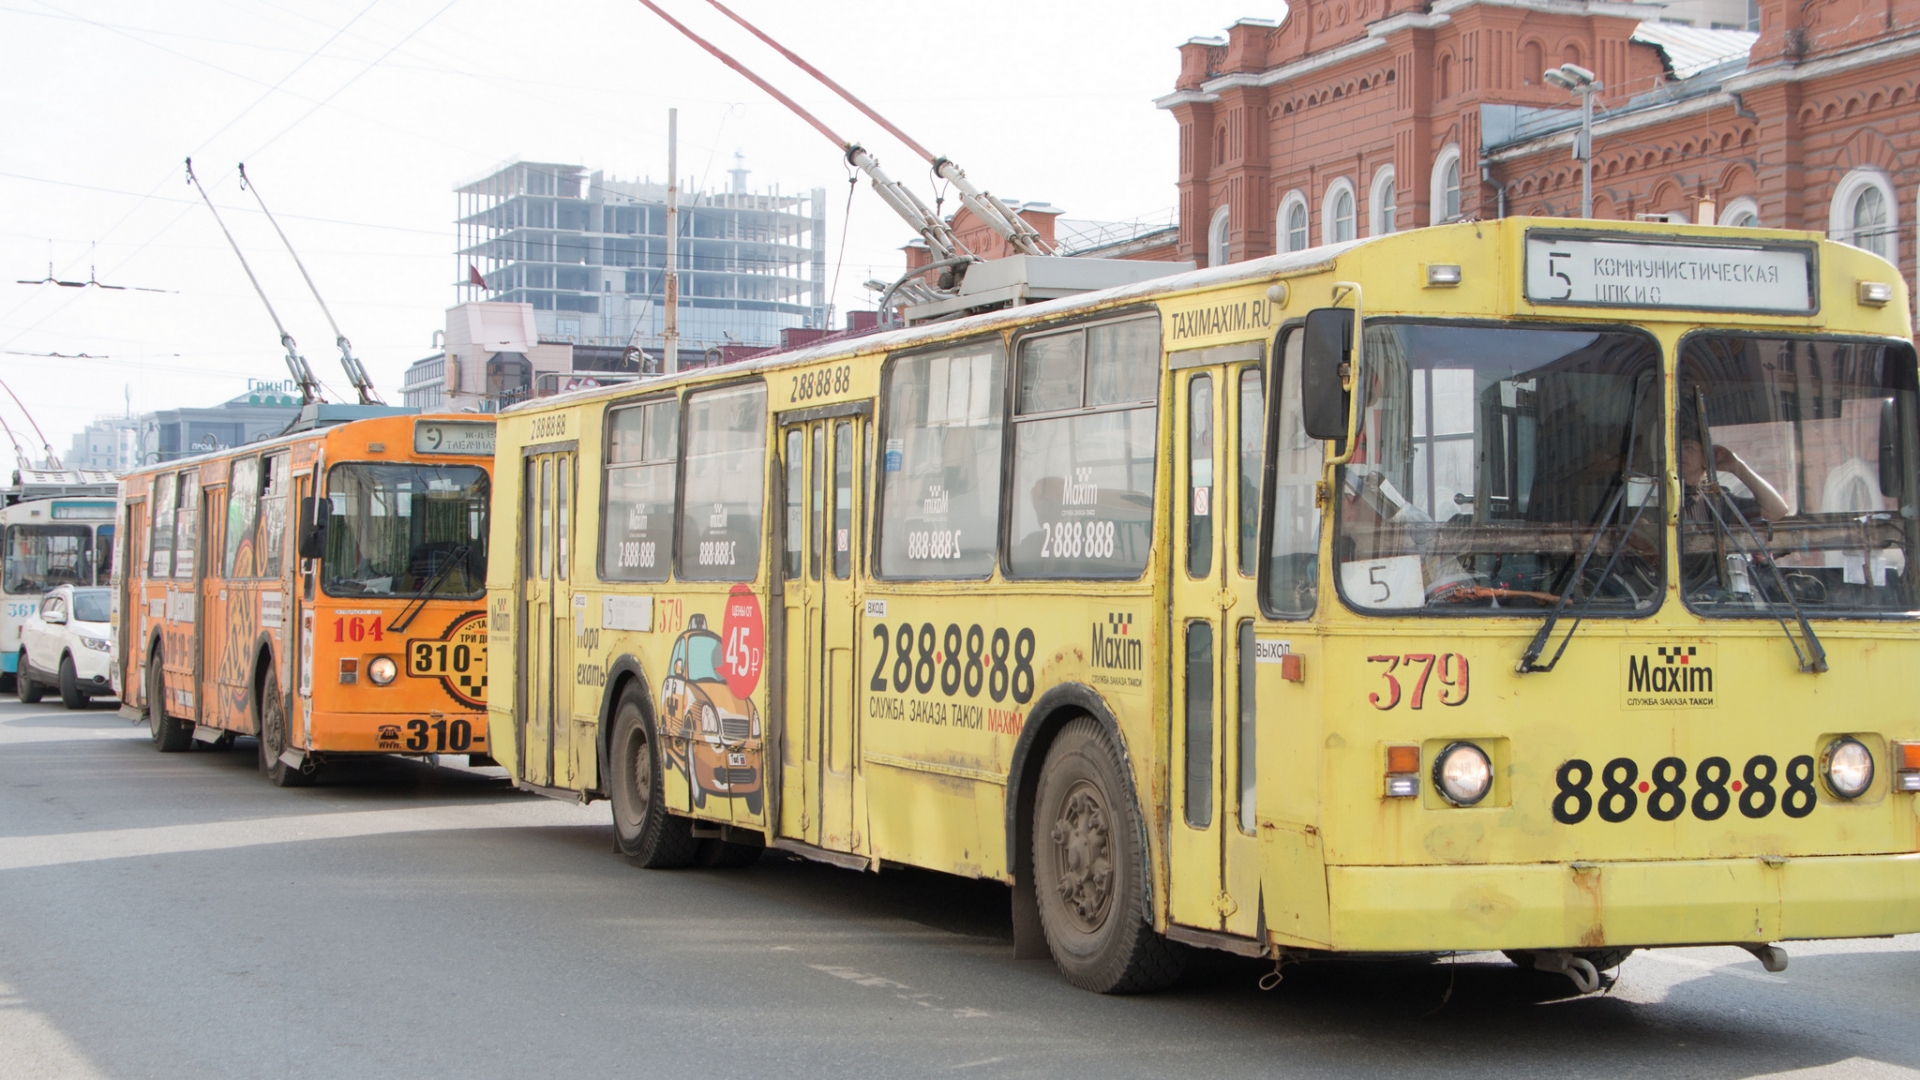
(458, 658)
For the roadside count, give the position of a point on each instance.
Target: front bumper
(1593, 905)
(392, 733)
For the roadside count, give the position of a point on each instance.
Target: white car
(67, 644)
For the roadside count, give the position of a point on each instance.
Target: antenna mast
(297, 364)
(356, 374)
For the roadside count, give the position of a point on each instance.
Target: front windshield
(40, 557)
(1490, 459)
(703, 658)
(1813, 448)
(91, 605)
(396, 530)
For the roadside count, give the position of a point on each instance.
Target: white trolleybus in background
(57, 529)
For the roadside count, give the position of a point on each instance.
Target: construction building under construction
(588, 252)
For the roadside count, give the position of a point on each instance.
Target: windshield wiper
(1529, 659)
(419, 603)
(1813, 658)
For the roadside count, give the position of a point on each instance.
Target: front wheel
(70, 693)
(273, 743)
(30, 692)
(170, 736)
(1089, 870)
(647, 834)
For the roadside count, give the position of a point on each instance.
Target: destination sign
(1770, 279)
(453, 437)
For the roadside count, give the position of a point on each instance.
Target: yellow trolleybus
(321, 591)
(1528, 585)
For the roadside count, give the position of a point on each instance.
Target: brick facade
(1821, 109)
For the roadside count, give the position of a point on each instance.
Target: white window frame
(1840, 210)
(1281, 234)
(1335, 188)
(1377, 204)
(1219, 237)
(1735, 209)
(1437, 188)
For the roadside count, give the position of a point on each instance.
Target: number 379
(1449, 669)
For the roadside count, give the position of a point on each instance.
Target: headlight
(1849, 768)
(1463, 774)
(381, 670)
(709, 719)
(96, 644)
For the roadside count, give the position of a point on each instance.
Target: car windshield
(1490, 459)
(1812, 444)
(396, 530)
(91, 605)
(703, 658)
(40, 557)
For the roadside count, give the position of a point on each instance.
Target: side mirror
(56, 618)
(1324, 403)
(313, 534)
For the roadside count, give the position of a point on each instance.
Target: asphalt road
(176, 916)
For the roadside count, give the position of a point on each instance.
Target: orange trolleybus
(322, 591)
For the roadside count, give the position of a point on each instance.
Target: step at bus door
(820, 552)
(547, 754)
(1213, 845)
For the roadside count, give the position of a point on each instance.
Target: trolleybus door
(819, 552)
(1213, 847)
(544, 716)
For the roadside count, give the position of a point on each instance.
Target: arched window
(1443, 78)
(1336, 212)
(1533, 63)
(1446, 186)
(1291, 226)
(1865, 214)
(1571, 54)
(1741, 213)
(1217, 237)
(1382, 211)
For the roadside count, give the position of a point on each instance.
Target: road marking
(61, 849)
(923, 998)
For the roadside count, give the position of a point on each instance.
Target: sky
(357, 119)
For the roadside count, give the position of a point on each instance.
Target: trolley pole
(670, 335)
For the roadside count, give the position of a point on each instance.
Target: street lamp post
(1578, 80)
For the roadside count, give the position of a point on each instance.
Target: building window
(1336, 213)
(1382, 212)
(1865, 214)
(1445, 191)
(1293, 222)
(1741, 213)
(1217, 233)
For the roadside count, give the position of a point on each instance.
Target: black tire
(1089, 870)
(70, 693)
(723, 855)
(271, 721)
(30, 692)
(170, 736)
(647, 834)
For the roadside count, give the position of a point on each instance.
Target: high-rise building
(588, 252)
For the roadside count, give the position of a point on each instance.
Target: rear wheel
(647, 834)
(70, 693)
(30, 692)
(1089, 870)
(273, 742)
(169, 735)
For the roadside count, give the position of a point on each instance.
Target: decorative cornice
(1185, 97)
(1618, 125)
(1865, 56)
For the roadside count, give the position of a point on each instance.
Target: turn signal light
(1874, 293)
(1441, 275)
(1906, 766)
(1403, 772)
(350, 670)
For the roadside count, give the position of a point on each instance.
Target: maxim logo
(1115, 647)
(1668, 675)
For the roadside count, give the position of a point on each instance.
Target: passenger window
(796, 503)
(1200, 476)
(270, 551)
(563, 508)
(186, 516)
(940, 463)
(160, 536)
(1293, 569)
(1252, 447)
(842, 500)
(642, 444)
(726, 458)
(243, 508)
(1084, 452)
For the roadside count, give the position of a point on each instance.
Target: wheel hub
(1083, 852)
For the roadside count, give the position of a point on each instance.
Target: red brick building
(1351, 118)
